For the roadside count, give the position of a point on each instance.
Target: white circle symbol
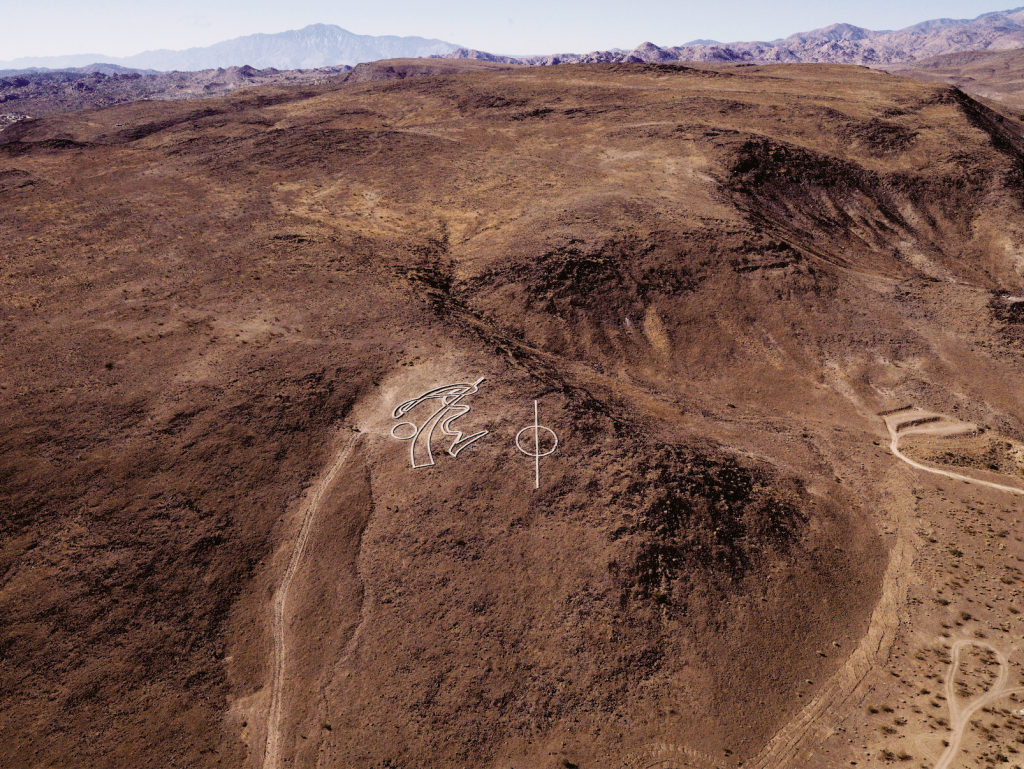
(535, 451)
(404, 437)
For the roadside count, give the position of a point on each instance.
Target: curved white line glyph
(537, 454)
(421, 436)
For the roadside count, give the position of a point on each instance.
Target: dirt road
(782, 750)
(959, 716)
(272, 753)
(923, 422)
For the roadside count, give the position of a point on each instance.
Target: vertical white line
(536, 445)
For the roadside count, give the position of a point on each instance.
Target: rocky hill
(278, 369)
(27, 93)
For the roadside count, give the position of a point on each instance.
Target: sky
(126, 27)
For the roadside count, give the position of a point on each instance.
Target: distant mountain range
(326, 45)
(838, 44)
(103, 69)
(318, 45)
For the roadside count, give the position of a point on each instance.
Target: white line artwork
(534, 451)
(451, 409)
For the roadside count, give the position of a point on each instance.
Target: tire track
(959, 718)
(272, 751)
(922, 422)
(938, 425)
(784, 746)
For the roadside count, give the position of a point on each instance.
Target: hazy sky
(125, 27)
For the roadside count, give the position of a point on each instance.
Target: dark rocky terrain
(34, 94)
(712, 281)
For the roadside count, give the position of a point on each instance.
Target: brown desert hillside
(724, 290)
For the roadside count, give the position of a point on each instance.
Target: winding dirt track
(923, 422)
(783, 749)
(272, 753)
(939, 425)
(959, 717)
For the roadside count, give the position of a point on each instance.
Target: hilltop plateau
(30, 94)
(730, 291)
